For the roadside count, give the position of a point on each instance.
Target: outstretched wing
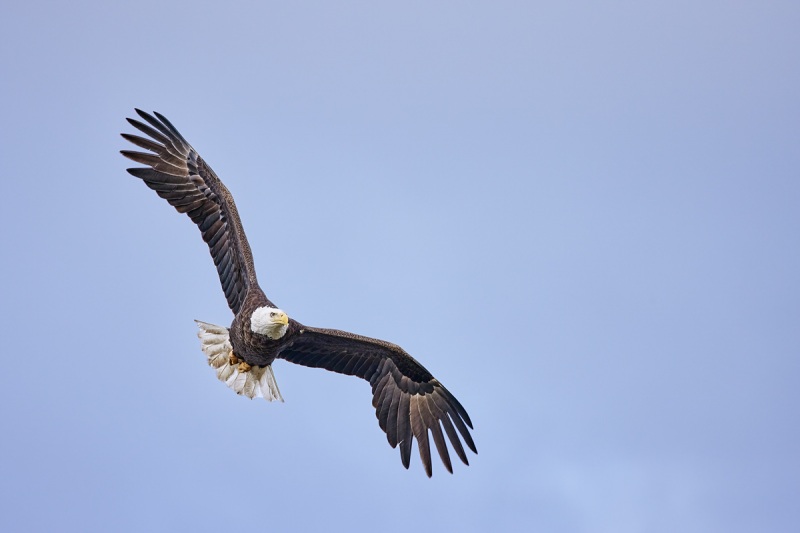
(179, 175)
(408, 400)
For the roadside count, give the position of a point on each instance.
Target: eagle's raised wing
(408, 400)
(179, 175)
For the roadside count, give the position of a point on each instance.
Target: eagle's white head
(269, 321)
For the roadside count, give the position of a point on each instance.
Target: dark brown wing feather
(179, 175)
(409, 402)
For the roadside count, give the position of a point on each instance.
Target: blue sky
(583, 219)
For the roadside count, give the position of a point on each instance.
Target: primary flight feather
(409, 402)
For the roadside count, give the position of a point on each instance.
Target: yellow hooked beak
(281, 318)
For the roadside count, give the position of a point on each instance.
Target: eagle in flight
(409, 402)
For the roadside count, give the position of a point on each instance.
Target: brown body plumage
(409, 402)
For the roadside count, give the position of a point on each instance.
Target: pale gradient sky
(582, 218)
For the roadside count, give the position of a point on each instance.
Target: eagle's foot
(233, 360)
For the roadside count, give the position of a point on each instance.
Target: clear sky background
(583, 218)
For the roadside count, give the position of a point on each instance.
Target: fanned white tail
(258, 382)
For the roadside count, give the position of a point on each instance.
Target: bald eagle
(409, 402)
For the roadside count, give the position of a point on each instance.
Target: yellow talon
(244, 367)
(232, 359)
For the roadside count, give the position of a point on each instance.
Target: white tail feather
(258, 382)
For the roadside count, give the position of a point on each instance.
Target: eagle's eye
(272, 313)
